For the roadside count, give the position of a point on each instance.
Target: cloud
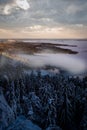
(72, 9)
(50, 14)
(7, 10)
(23, 4)
(8, 7)
(4, 2)
(42, 29)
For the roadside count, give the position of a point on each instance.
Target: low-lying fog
(64, 61)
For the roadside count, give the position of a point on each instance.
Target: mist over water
(73, 63)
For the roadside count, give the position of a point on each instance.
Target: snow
(22, 123)
(44, 101)
(6, 114)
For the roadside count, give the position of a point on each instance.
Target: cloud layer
(24, 14)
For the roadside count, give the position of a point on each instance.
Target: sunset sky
(43, 18)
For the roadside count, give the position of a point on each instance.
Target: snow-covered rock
(6, 113)
(22, 123)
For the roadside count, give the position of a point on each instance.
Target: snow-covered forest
(37, 102)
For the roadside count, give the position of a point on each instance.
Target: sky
(43, 19)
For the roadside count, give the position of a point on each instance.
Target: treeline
(48, 100)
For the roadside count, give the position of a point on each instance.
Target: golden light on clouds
(38, 31)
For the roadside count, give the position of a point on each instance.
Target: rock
(21, 123)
